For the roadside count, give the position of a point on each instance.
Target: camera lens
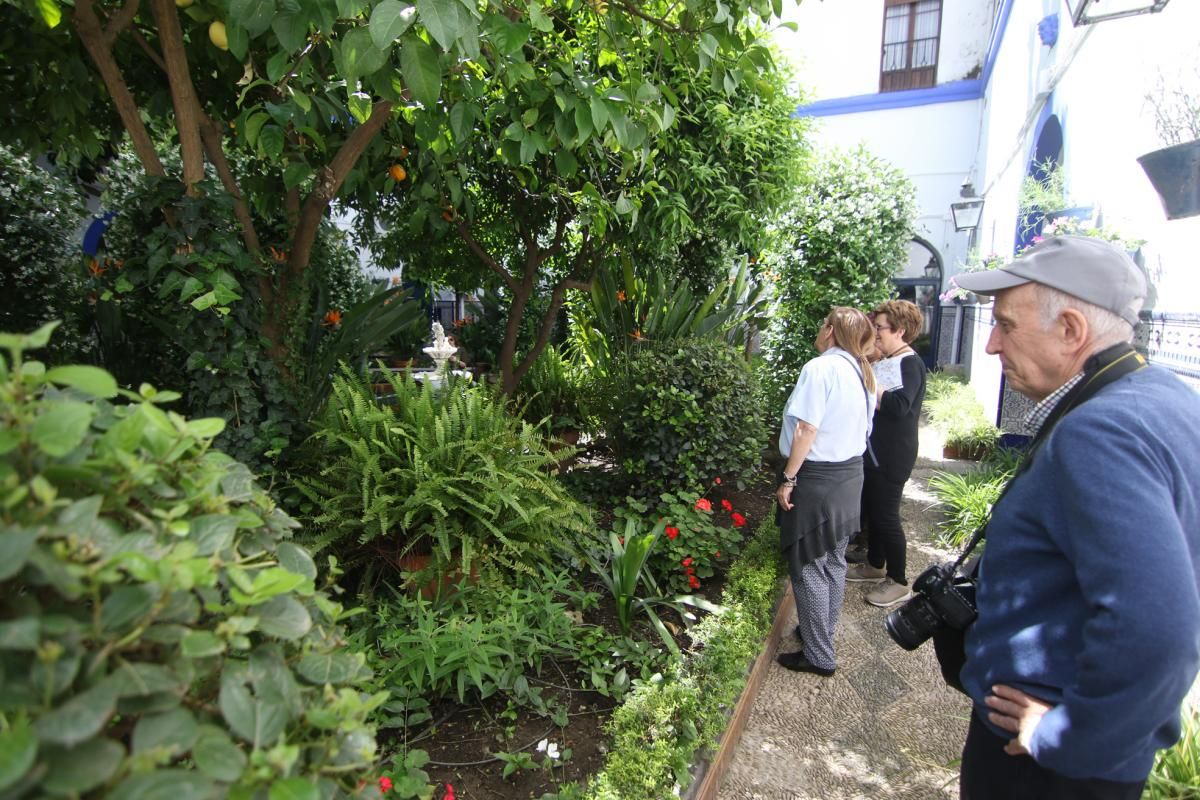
(913, 623)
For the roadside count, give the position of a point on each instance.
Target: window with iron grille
(911, 31)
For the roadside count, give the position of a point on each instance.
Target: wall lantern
(967, 211)
(1085, 12)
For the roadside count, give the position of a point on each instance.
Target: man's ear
(1074, 327)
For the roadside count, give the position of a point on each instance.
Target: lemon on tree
(216, 34)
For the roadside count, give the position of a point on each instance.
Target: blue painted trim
(953, 92)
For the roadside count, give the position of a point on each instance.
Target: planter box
(1175, 173)
(976, 453)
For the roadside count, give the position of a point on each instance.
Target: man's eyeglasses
(881, 328)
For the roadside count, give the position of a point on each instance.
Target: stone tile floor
(885, 726)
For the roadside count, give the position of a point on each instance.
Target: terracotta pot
(965, 453)
(437, 584)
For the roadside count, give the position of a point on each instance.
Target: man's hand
(1016, 712)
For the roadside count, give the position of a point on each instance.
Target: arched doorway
(920, 281)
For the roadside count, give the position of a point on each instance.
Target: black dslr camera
(942, 599)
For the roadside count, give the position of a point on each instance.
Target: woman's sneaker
(889, 593)
(865, 572)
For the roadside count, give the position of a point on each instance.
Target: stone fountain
(440, 351)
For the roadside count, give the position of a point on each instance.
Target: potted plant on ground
(1174, 171)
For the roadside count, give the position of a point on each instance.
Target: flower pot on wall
(1175, 174)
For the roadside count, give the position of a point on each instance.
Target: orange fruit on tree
(397, 172)
(403, 152)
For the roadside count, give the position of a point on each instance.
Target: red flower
(385, 783)
(692, 582)
(703, 504)
(717, 554)
(449, 795)
(621, 296)
(689, 571)
(728, 506)
(333, 319)
(687, 562)
(738, 520)
(672, 532)
(717, 480)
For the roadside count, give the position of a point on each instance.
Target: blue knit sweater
(1089, 593)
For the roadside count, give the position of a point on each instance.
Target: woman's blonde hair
(853, 332)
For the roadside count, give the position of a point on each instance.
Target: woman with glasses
(825, 426)
(894, 447)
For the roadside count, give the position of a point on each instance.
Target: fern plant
(449, 473)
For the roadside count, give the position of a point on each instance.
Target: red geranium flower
(385, 783)
(449, 795)
(692, 582)
(728, 506)
(717, 480)
(687, 562)
(703, 504)
(738, 520)
(672, 532)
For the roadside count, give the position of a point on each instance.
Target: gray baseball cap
(1090, 269)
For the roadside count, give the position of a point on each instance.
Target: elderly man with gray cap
(1087, 638)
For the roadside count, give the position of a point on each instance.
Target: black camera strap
(1099, 371)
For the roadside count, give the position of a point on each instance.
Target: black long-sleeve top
(894, 434)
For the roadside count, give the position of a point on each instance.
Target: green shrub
(162, 636)
(448, 472)
(968, 499)
(675, 415)
(550, 394)
(954, 409)
(839, 245)
(657, 732)
(1176, 772)
(43, 275)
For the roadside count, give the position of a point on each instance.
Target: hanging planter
(1175, 174)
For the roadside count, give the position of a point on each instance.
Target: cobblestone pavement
(885, 726)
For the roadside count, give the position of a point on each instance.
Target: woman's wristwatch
(789, 481)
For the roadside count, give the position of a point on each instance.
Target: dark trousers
(885, 536)
(988, 773)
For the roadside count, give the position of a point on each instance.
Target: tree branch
(210, 133)
(464, 231)
(96, 42)
(328, 181)
(183, 94)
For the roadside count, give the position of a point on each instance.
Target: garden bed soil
(462, 745)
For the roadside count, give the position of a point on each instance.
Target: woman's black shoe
(796, 662)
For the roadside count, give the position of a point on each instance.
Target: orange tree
(556, 112)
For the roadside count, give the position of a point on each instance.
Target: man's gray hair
(1104, 327)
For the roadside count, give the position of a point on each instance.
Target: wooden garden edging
(710, 781)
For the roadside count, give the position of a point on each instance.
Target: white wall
(838, 45)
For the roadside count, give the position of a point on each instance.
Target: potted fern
(1174, 171)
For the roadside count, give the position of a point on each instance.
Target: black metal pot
(1175, 174)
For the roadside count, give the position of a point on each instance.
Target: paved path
(885, 726)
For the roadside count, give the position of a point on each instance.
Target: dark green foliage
(160, 628)
(845, 236)
(43, 274)
(675, 414)
(551, 393)
(449, 473)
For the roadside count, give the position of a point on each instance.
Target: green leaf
(258, 722)
(253, 15)
(296, 173)
(270, 141)
(217, 756)
(360, 106)
(295, 558)
(213, 533)
(166, 784)
(62, 428)
(18, 749)
(708, 45)
(599, 114)
(51, 13)
(336, 667)
(462, 121)
(507, 35)
(205, 427)
(93, 380)
(539, 19)
(420, 67)
(76, 770)
(239, 39)
(15, 546)
(293, 789)
(440, 18)
(285, 618)
(291, 28)
(175, 730)
(254, 125)
(201, 644)
(389, 20)
(124, 606)
(205, 301)
(80, 718)
(359, 55)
